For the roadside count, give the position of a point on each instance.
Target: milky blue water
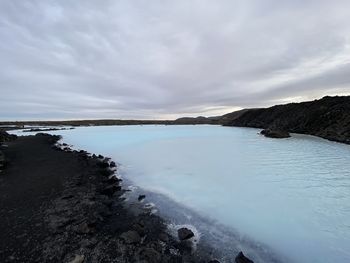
(293, 195)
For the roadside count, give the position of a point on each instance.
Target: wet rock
(113, 180)
(106, 172)
(279, 134)
(240, 258)
(141, 197)
(103, 164)
(131, 237)
(112, 164)
(184, 233)
(78, 259)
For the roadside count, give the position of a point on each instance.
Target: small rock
(112, 164)
(103, 164)
(78, 259)
(141, 197)
(184, 233)
(113, 180)
(131, 237)
(279, 134)
(242, 259)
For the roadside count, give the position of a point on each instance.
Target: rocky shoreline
(328, 118)
(62, 205)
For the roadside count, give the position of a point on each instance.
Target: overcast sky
(62, 59)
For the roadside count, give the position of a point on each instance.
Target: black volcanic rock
(5, 137)
(185, 233)
(241, 258)
(278, 134)
(328, 118)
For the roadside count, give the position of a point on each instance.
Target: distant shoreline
(328, 118)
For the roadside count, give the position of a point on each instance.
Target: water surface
(293, 195)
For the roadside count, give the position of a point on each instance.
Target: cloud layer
(163, 59)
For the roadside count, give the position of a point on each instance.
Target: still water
(290, 195)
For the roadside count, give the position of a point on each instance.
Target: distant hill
(197, 120)
(229, 117)
(328, 118)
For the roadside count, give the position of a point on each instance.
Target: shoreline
(75, 212)
(67, 206)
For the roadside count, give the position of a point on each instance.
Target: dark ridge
(328, 118)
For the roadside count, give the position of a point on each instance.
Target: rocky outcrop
(184, 233)
(5, 137)
(278, 134)
(241, 258)
(328, 118)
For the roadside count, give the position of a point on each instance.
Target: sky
(162, 59)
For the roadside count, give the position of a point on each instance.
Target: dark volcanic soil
(61, 206)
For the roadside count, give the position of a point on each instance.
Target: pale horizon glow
(64, 60)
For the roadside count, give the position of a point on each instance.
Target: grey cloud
(155, 59)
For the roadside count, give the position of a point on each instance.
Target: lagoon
(290, 196)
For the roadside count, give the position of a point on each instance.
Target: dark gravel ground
(59, 205)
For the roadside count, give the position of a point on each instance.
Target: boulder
(112, 164)
(241, 258)
(279, 134)
(184, 233)
(141, 197)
